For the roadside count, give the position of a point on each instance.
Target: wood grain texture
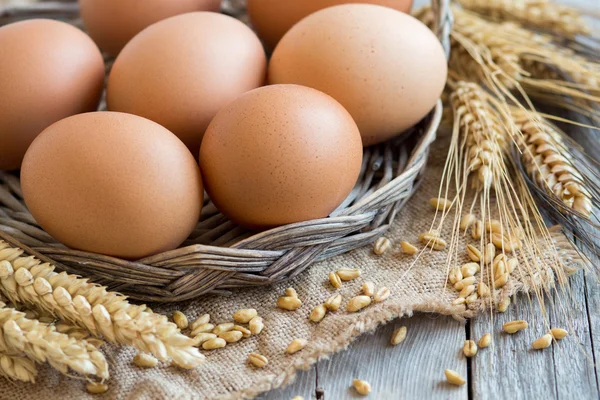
(304, 385)
(509, 368)
(412, 369)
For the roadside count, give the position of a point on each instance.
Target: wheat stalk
(506, 55)
(548, 162)
(103, 313)
(483, 132)
(41, 343)
(541, 14)
(17, 368)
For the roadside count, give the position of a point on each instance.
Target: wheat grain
(202, 328)
(382, 295)
(381, 245)
(213, 344)
(256, 325)
(245, 331)
(483, 289)
(485, 340)
(398, 336)
(440, 204)
(318, 313)
(432, 239)
(203, 319)
(335, 280)
(258, 360)
(504, 304)
(17, 368)
(42, 343)
(544, 342)
(231, 336)
(455, 275)
(558, 333)
(474, 253)
(289, 303)
(470, 348)
(348, 274)
(541, 14)
(358, 303)
(362, 387)
(296, 345)
(224, 327)
(368, 289)
(244, 316)
(515, 326)
(333, 303)
(203, 337)
(454, 377)
(408, 248)
(93, 307)
(96, 388)
(180, 320)
(467, 221)
(144, 360)
(460, 285)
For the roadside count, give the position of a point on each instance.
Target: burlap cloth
(226, 373)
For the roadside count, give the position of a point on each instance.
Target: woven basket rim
(262, 258)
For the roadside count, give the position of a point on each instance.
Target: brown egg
(180, 72)
(114, 184)
(49, 70)
(113, 23)
(273, 18)
(385, 67)
(280, 154)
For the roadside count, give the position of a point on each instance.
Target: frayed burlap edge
(369, 320)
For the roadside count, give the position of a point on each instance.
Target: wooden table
(509, 369)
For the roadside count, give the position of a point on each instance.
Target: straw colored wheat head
(483, 133)
(42, 343)
(549, 163)
(103, 313)
(541, 14)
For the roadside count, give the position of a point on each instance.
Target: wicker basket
(219, 255)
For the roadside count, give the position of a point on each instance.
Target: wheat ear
(17, 368)
(41, 343)
(103, 313)
(548, 162)
(483, 131)
(541, 14)
(521, 56)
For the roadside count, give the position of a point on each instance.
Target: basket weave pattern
(219, 256)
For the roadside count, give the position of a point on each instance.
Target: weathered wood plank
(573, 357)
(410, 370)
(304, 385)
(510, 369)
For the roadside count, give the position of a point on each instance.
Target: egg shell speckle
(113, 23)
(280, 154)
(180, 71)
(113, 184)
(273, 18)
(49, 70)
(385, 67)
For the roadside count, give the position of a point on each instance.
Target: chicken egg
(280, 154)
(180, 71)
(385, 67)
(114, 184)
(49, 70)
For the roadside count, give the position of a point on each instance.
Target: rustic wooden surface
(509, 369)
